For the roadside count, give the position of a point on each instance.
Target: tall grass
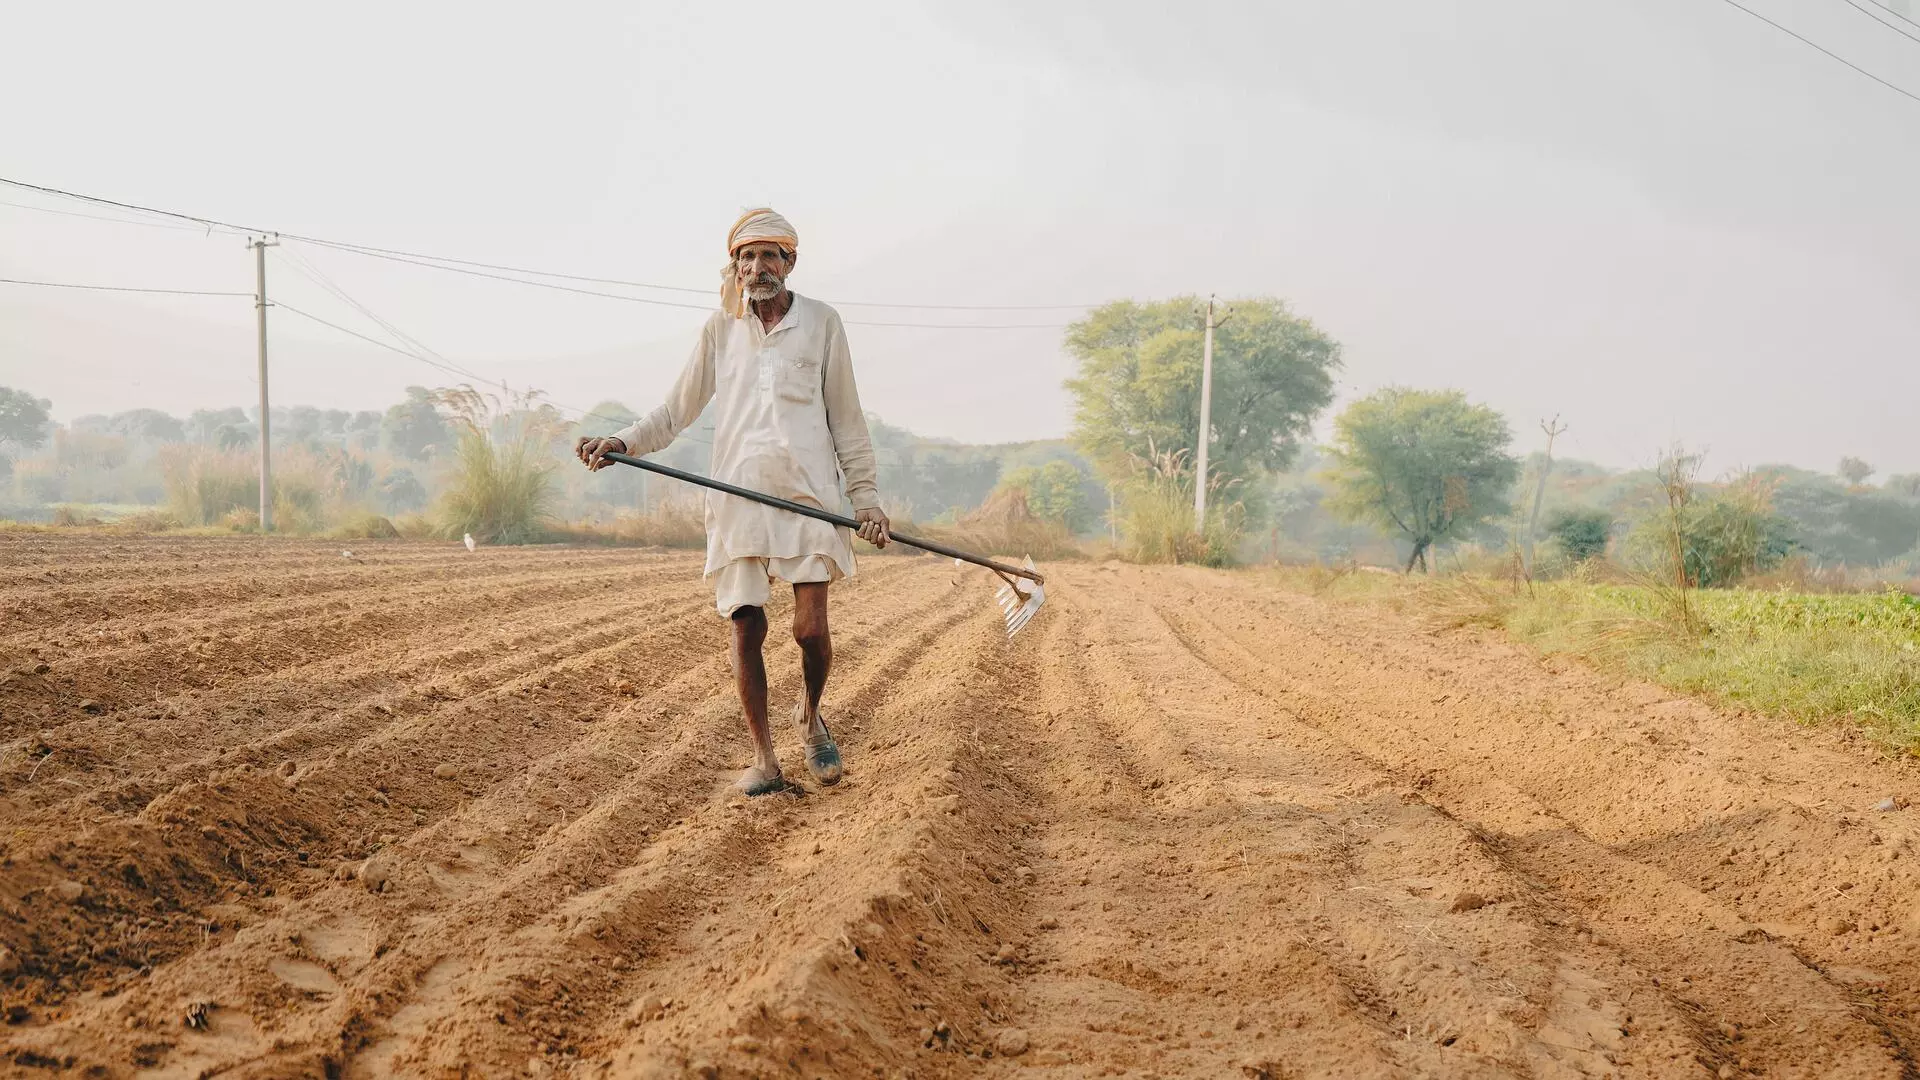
(1156, 514)
(205, 486)
(500, 487)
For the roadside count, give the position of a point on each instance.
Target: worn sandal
(766, 786)
(823, 755)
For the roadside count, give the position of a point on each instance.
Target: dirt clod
(1837, 925)
(445, 771)
(67, 890)
(1010, 1042)
(1467, 901)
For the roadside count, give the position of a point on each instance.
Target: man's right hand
(593, 451)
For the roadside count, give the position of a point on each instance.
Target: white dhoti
(748, 582)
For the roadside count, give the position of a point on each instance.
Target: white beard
(762, 292)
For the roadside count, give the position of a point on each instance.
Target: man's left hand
(873, 526)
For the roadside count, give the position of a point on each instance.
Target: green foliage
(203, 485)
(1426, 463)
(1581, 533)
(1054, 492)
(1156, 515)
(1836, 524)
(1854, 471)
(414, 428)
(1805, 656)
(500, 488)
(23, 418)
(1137, 387)
(1724, 535)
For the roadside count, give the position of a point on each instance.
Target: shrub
(204, 485)
(367, 527)
(1581, 533)
(1156, 515)
(499, 490)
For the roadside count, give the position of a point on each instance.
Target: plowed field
(421, 812)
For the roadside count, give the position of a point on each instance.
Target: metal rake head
(1019, 599)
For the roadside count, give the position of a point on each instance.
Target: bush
(1581, 533)
(149, 520)
(367, 527)
(1156, 516)
(204, 485)
(500, 489)
(1723, 537)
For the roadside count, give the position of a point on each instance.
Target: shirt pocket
(797, 379)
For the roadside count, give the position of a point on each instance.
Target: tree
(1137, 387)
(1054, 492)
(148, 425)
(203, 425)
(23, 418)
(1854, 471)
(1581, 532)
(415, 427)
(1906, 485)
(1427, 463)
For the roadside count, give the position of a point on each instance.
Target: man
(787, 422)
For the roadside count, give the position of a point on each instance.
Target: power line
(120, 288)
(441, 363)
(1902, 17)
(1862, 9)
(438, 262)
(1814, 45)
(423, 262)
(100, 217)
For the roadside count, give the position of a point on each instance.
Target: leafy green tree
(23, 418)
(1137, 387)
(1426, 463)
(414, 428)
(1055, 492)
(203, 425)
(1854, 471)
(1581, 532)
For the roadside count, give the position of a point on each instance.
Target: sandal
(775, 785)
(823, 755)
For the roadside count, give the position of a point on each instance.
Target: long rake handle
(820, 515)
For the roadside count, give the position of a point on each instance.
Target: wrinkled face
(761, 269)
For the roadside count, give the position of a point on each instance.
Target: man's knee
(750, 625)
(812, 635)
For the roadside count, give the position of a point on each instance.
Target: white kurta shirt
(787, 422)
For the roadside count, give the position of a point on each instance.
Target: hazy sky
(1659, 219)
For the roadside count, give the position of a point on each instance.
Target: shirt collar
(797, 314)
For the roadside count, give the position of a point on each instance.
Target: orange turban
(754, 227)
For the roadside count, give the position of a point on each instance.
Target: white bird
(469, 539)
(346, 554)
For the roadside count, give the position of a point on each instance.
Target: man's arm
(852, 443)
(657, 430)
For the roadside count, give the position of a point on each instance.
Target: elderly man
(787, 422)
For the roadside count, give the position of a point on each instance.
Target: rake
(1020, 596)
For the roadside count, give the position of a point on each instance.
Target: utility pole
(260, 246)
(1206, 426)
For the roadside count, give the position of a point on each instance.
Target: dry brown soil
(426, 813)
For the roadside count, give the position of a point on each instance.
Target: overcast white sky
(1659, 219)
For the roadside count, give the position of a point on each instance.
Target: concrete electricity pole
(1206, 422)
(260, 246)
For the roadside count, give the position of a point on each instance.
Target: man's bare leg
(816, 647)
(750, 677)
(810, 632)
